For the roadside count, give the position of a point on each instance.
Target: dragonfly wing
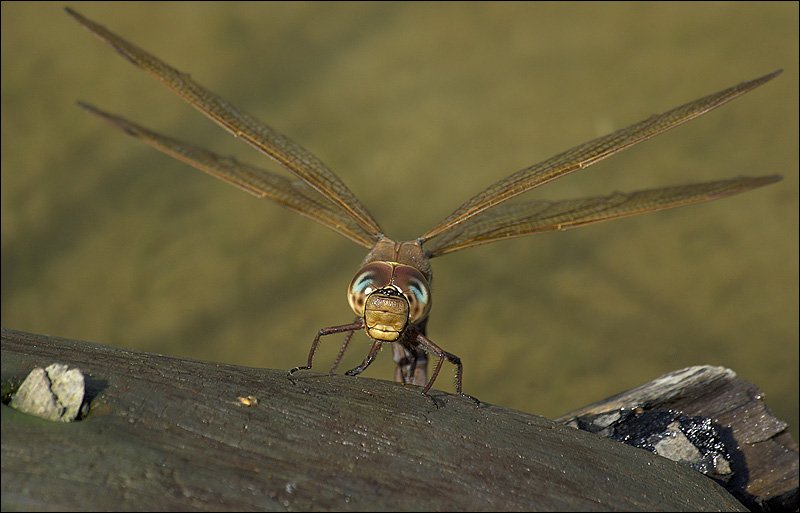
(280, 148)
(293, 194)
(518, 219)
(589, 153)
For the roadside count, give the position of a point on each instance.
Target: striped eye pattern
(402, 278)
(416, 290)
(370, 278)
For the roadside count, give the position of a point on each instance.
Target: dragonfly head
(389, 296)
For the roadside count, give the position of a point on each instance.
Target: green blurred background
(416, 106)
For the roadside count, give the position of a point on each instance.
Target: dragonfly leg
(376, 345)
(321, 333)
(443, 355)
(342, 350)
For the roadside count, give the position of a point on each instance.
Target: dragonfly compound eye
(370, 278)
(416, 290)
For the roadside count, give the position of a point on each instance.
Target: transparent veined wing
(524, 218)
(588, 153)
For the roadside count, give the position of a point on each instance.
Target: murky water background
(417, 107)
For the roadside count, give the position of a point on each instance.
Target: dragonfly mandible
(391, 294)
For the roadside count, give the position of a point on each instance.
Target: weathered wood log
(169, 433)
(711, 420)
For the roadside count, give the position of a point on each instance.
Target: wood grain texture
(762, 454)
(170, 434)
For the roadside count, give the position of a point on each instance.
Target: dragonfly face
(391, 293)
(389, 296)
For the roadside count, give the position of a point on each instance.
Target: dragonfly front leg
(354, 326)
(343, 349)
(376, 346)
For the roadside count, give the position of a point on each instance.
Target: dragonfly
(391, 292)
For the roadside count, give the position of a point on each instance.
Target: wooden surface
(726, 424)
(167, 433)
